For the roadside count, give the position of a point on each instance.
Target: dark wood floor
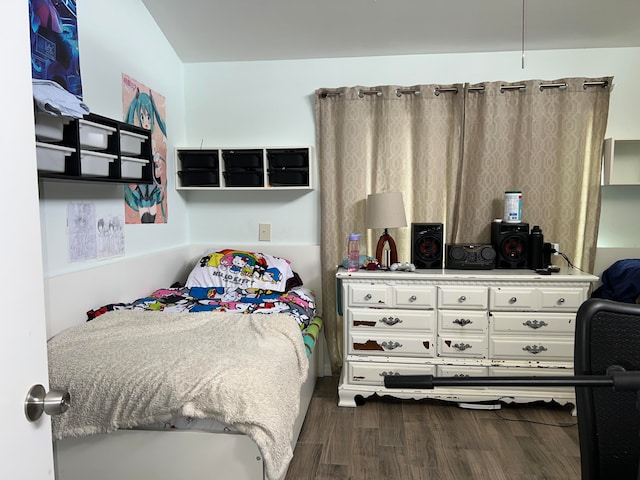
(388, 439)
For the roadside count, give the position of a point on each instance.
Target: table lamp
(385, 210)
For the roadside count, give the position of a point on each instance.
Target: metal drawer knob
(534, 349)
(390, 321)
(561, 300)
(367, 296)
(413, 298)
(513, 300)
(462, 299)
(535, 324)
(462, 321)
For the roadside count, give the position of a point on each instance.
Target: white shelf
(621, 162)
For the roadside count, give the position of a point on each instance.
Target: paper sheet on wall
(92, 236)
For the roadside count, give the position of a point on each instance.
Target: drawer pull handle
(462, 375)
(390, 321)
(367, 296)
(513, 299)
(535, 324)
(413, 298)
(561, 300)
(534, 349)
(462, 321)
(461, 347)
(462, 299)
(391, 345)
(389, 374)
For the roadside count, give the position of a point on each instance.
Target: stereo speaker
(511, 242)
(470, 257)
(426, 245)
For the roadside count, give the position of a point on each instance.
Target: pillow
(236, 268)
(294, 282)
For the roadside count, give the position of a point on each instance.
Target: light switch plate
(264, 232)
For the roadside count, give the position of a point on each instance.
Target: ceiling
(248, 30)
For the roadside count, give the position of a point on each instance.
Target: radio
(470, 257)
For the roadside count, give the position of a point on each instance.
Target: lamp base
(385, 238)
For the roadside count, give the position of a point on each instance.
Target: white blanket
(131, 368)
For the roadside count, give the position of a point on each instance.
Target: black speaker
(470, 257)
(426, 245)
(607, 337)
(511, 242)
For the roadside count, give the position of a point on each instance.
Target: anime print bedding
(298, 302)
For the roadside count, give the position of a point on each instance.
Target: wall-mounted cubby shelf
(277, 168)
(93, 148)
(621, 162)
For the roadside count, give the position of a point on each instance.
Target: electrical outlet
(264, 232)
(556, 247)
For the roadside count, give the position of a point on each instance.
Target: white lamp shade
(385, 210)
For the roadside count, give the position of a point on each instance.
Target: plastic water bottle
(353, 252)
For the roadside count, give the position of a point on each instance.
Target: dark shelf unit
(81, 158)
(244, 168)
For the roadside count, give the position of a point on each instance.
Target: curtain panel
(453, 151)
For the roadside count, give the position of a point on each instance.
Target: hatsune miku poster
(143, 107)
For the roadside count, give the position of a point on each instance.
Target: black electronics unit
(426, 245)
(470, 257)
(511, 243)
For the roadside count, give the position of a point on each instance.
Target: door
(25, 448)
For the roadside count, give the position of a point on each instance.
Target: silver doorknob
(38, 402)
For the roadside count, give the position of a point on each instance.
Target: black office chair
(607, 335)
(607, 383)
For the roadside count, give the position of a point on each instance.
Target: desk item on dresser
(459, 323)
(386, 210)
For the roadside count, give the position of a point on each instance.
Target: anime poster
(54, 43)
(145, 108)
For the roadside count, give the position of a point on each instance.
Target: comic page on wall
(54, 43)
(145, 108)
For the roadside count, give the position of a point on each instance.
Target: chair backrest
(607, 334)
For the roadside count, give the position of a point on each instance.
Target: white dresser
(458, 323)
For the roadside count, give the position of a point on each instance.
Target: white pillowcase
(239, 269)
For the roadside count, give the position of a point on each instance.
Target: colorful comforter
(298, 302)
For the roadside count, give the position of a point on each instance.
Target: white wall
(272, 103)
(116, 37)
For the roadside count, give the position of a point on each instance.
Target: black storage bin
(288, 158)
(244, 179)
(199, 178)
(288, 177)
(199, 159)
(242, 159)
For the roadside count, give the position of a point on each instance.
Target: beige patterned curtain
(378, 139)
(541, 137)
(453, 151)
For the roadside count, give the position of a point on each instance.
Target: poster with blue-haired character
(147, 203)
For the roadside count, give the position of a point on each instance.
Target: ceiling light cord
(523, 25)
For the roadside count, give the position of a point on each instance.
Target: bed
(231, 406)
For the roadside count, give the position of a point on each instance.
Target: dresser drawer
(361, 318)
(536, 298)
(462, 321)
(461, 345)
(414, 296)
(391, 344)
(562, 299)
(365, 373)
(461, 371)
(533, 372)
(367, 295)
(532, 324)
(540, 348)
(462, 297)
(513, 298)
